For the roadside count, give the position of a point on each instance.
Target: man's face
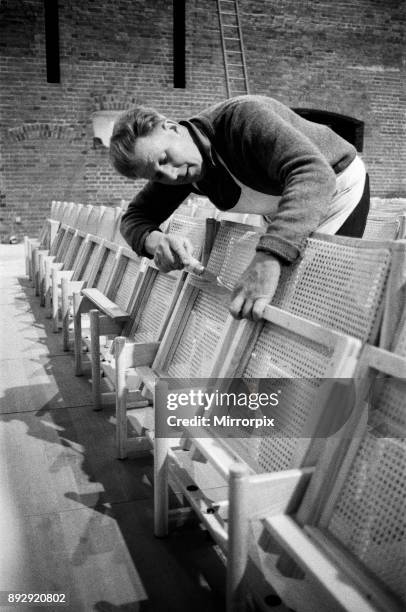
(168, 155)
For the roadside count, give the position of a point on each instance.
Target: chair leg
(95, 357)
(161, 468)
(41, 265)
(26, 255)
(55, 300)
(36, 271)
(237, 551)
(121, 399)
(65, 314)
(77, 325)
(48, 289)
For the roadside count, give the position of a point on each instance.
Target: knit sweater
(267, 147)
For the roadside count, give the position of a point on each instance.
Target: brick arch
(30, 131)
(114, 101)
(349, 128)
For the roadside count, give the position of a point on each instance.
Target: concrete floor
(73, 519)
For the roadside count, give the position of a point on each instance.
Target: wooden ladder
(233, 48)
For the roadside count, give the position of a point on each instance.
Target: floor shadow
(74, 452)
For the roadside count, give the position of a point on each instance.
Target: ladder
(233, 48)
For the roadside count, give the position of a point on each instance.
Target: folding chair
(108, 222)
(339, 284)
(101, 221)
(59, 250)
(109, 310)
(145, 319)
(53, 270)
(35, 247)
(133, 358)
(46, 236)
(63, 254)
(346, 527)
(381, 226)
(87, 269)
(102, 277)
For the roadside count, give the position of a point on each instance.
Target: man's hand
(256, 287)
(170, 251)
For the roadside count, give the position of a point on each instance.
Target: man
(249, 154)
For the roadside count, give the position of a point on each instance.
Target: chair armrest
(105, 305)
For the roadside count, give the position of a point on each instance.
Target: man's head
(147, 145)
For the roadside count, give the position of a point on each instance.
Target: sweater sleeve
(308, 186)
(150, 207)
(278, 154)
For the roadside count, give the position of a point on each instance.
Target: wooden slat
(338, 590)
(105, 305)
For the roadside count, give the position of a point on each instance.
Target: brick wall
(343, 57)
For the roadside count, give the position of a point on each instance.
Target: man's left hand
(256, 287)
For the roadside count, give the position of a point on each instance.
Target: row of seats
(311, 513)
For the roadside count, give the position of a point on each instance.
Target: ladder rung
(231, 64)
(234, 78)
(230, 38)
(239, 52)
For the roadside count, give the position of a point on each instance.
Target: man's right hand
(170, 251)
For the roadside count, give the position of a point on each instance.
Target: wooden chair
(102, 277)
(108, 222)
(339, 284)
(100, 221)
(69, 211)
(134, 358)
(66, 253)
(145, 318)
(69, 256)
(385, 226)
(62, 248)
(46, 236)
(57, 209)
(117, 236)
(86, 271)
(109, 310)
(84, 274)
(346, 528)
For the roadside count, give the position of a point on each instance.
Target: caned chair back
(93, 220)
(338, 283)
(366, 510)
(126, 279)
(117, 236)
(108, 261)
(70, 213)
(384, 227)
(83, 216)
(107, 222)
(159, 291)
(192, 228)
(201, 319)
(89, 257)
(56, 210)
